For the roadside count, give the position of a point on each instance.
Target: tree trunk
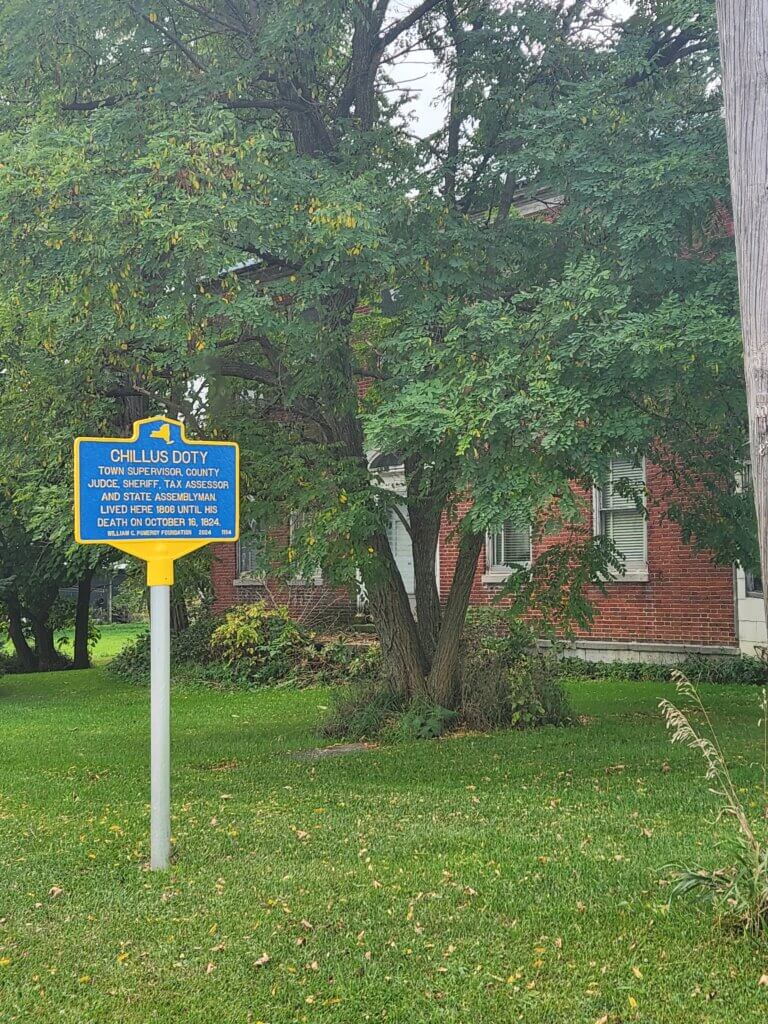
(45, 649)
(179, 612)
(391, 611)
(24, 652)
(444, 679)
(425, 530)
(743, 26)
(81, 658)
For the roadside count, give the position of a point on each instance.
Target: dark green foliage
(496, 629)
(62, 617)
(425, 721)
(9, 664)
(190, 647)
(340, 662)
(363, 710)
(699, 668)
(501, 690)
(193, 645)
(131, 665)
(260, 645)
(702, 669)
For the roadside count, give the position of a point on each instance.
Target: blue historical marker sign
(155, 486)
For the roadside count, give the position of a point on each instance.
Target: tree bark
(179, 611)
(81, 657)
(391, 611)
(743, 26)
(48, 658)
(24, 652)
(444, 683)
(425, 531)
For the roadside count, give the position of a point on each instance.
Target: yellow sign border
(158, 554)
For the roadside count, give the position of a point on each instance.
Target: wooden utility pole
(743, 27)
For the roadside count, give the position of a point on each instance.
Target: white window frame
(501, 573)
(635, 570)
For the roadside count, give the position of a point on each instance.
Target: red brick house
(672, 601)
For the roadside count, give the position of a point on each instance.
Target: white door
(400, 542)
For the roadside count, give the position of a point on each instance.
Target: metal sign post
(160, 726)
(157, 496)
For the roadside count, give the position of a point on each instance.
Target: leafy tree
(213, 191)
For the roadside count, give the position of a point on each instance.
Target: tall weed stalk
(739, 891)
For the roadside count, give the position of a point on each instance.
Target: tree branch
(85, 105)
(408, 21)
(167, 34)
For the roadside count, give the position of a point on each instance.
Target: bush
(745, 670)
(190, 647)
(363, 710)
(253, 645)
(699, 668)
(492, 629)
(194, 644)
(424, 721)
(340, 662)
(499, 691)
(10, 664)
(260, 645)
(132, 664)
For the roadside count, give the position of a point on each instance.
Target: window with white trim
(620, 517)
(506, 550)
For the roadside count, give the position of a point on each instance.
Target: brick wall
(687, 599)
(315, 604)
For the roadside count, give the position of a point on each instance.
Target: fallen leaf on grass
(55, 891)
(763, 980)
(210, 968)
(262, 961)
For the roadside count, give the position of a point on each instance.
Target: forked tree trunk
(391, 611)
(444, 680)
(743, 26)
(81, 657)
(425, 530)
(24, 652)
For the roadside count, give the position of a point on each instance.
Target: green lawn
(112, 640)
(514, 877)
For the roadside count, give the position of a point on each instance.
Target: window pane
(250, 551)
(510, 546)
(627, 531)
(621, 519)
(753, 583)
(623, 473)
